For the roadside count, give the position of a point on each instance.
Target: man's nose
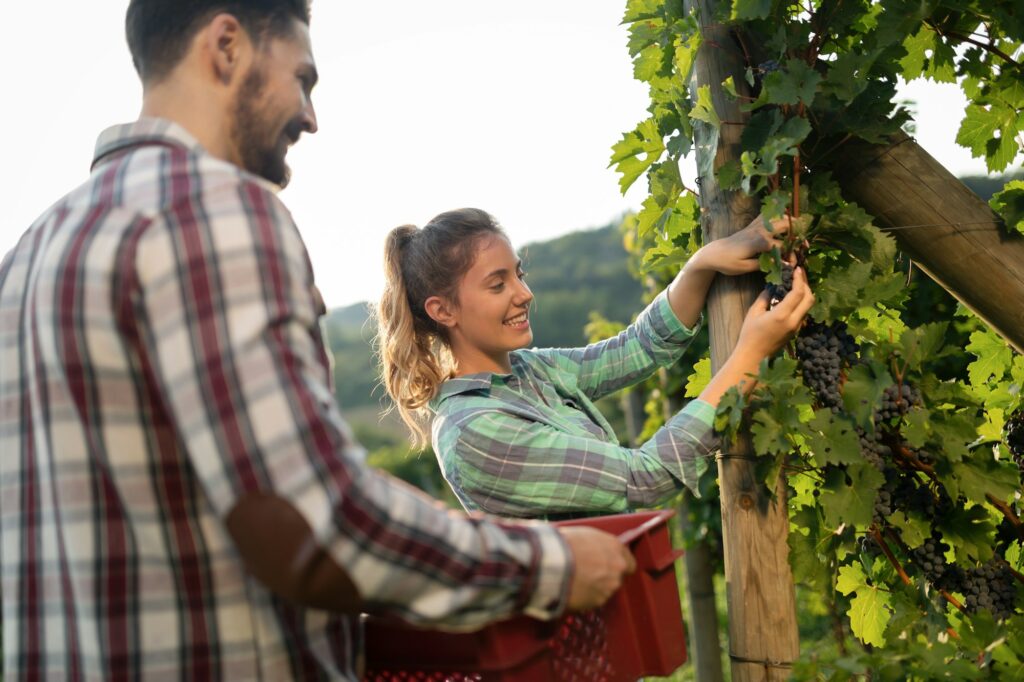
(309, 118)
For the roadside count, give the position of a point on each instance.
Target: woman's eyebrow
(503, 271)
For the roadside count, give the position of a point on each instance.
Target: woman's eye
(498, 287)
(522, 274)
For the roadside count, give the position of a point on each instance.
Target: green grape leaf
(977, 128)
(636, 152)
(729, 414)
(968, 531)
(642, 34)
(993, 357)
(730, 174)
(981, 476)
(833, 440)
(759, 128)
(917, 427)
(865, 384)
(700, 378)
(953, 431)
(914, 531)
(1000, 152)
(639, 10)
(852, 503)
(791, 85)
(650, 213)
(750, 9)
(686, 53)
(1009, 204)
(704, 109)
(869, 615)
(978, 132)
(729, 87)
(851, 579)
(926, 342)
(992, 429)
(650, 62)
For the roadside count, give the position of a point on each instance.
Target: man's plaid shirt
(160, 358)
(532, 443)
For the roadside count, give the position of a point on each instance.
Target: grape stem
(877, 535)
(1008, 513)
(903, 574)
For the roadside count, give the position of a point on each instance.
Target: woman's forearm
(689, 290)
(735, 372)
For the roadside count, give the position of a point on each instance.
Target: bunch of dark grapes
(912, 495)
(777, 292)
(823, 350)
(990, 587)
(931, 559)
(897, 401)
(769, 66)
(873, 449)
(1013, 434)
(885, 505)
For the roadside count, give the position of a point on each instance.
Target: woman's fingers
(761, 303)
(797, 296)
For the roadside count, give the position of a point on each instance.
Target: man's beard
(253, 136)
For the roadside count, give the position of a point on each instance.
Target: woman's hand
(737, 254)
(765, 330)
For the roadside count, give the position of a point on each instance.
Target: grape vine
(904, 480)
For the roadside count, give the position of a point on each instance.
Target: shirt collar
(159, 131)
(480, 381)
(145, 131)
(470, 382)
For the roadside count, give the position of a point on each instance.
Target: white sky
(423, 106)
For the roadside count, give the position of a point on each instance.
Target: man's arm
(222, 301)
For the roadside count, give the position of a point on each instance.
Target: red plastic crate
(638, 632)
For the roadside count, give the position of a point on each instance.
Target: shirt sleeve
(505, 464)
(224, 306)
(656, 339)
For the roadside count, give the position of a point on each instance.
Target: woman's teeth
(518, 319)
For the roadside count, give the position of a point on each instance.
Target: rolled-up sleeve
(657, 338)
(223, 301)
(504, 464)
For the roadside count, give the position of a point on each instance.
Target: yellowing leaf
(993, 357)
(869, 614)
(851, 579)
(636, 152)
(700, 378)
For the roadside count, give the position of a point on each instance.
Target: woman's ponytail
(409, 368)
(412, 348)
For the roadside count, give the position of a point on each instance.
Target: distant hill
(570, 276)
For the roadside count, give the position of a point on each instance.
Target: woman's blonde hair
(412, 348)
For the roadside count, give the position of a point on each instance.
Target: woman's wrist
(703, 261)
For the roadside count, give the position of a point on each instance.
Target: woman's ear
(440, 310)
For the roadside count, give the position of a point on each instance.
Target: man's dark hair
(159, 31)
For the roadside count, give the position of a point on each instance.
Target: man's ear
(227, 43)
(440, 310)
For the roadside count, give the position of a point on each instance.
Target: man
(180, 497)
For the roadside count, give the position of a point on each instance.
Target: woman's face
(492, 315)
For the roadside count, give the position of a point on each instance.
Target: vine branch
(988, 47)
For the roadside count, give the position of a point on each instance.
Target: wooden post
(942, 225)
(763, 638)
(705, 646)
(632, 402)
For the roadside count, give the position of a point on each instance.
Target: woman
(515, 431)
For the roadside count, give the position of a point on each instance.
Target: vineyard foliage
(904, 475)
